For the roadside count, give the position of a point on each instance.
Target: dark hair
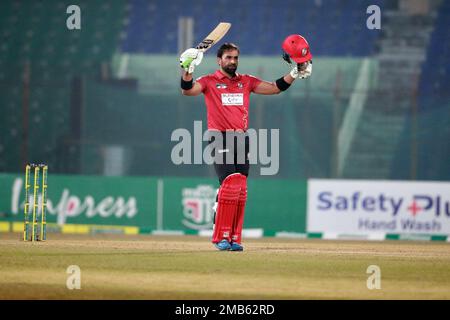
(226, 47)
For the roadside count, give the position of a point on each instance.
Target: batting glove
(190, 58)
(302, 71)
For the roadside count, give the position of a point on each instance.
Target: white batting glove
(304, 73)
(190, 58)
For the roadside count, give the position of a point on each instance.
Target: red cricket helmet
(296, 48)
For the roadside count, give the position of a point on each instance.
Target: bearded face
(229, 62)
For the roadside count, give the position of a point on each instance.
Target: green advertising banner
(86, 200)
(188, 203)
(151, 203)
(273, 205)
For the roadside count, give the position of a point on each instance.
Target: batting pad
(229, 193)
(236, 231)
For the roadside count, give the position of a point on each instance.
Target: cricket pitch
(189, 267)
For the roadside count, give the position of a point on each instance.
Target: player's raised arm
(189, 59)
(267, 88)
(284, 82)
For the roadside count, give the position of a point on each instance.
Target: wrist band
(187, 85)
(282, 84)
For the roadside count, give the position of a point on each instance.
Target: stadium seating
(35, 32)
(334, 27)
(435, 102)
(435, 76)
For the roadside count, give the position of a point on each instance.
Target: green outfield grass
(188, 267)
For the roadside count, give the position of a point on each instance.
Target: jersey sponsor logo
(232, 99)
(221, 86)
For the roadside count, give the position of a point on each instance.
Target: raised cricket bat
(214, 37)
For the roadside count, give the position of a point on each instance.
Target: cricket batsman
(227, 98)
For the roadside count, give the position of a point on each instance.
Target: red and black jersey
(227, 100)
